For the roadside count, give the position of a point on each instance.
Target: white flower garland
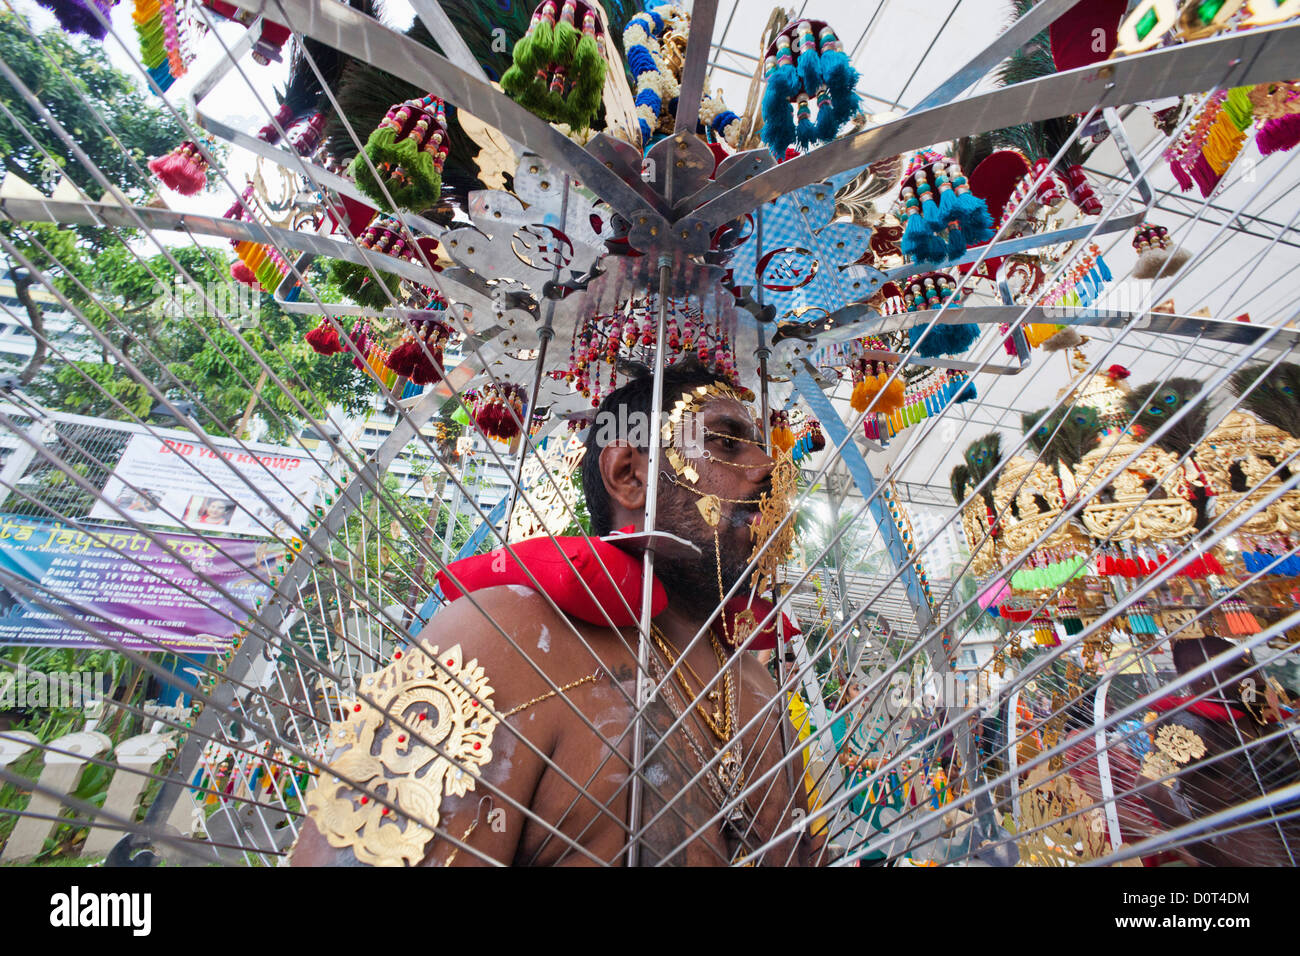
(662, 80)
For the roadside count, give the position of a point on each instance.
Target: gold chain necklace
(721, 725)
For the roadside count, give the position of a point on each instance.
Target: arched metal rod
(112, 214)
(866, 482)
(359, 36)
(1235, 59)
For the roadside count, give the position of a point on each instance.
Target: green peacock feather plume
(983, 458)
(1275, 396)
(958, 478)
(1155, 403)
(1068, 433)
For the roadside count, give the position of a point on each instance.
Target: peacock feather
(303, 91)
(1068, 433)
(1155, 403)
(958, 478)
(983, 458)
(1274, 396)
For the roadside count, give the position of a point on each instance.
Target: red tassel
(402, 359)
(240, 272)
(325, 339)
(183, 169)
(425, 372)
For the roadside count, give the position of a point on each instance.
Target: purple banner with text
(147, 594)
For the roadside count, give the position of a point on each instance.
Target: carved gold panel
(1244, 448)
(1107, 512)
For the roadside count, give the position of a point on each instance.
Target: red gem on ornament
(422, 716)
(401, 738)
(451, 663)
(357, 708)
(473, 703)
(365, 800)
(397, 656)
(477, 746)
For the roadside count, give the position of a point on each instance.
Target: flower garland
(656, 86)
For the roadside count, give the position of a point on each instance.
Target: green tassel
(423, 181)
(1237, 105)
(540, 52)
(351, 280)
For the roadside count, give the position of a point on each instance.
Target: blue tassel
(778, 122)
(840, 77)
(919, 241)
(956, 243)
(930, 209)
(948, 206)
(973, 214)
(828, 121)
(944, 339)
(806, 135)
(810, 71)
(967, 392)
(784, 81)
(1105, 269)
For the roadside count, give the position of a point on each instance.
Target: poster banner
(172, 479)
(96, 568)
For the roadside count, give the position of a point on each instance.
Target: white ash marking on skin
(656, 775)
(544, 642)
(522, 590)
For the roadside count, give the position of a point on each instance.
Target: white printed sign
(180, 482)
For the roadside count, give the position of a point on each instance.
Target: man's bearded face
(731, 465)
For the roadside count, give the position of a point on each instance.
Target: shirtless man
(555, 790)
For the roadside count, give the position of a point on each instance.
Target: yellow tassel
(782, 438)
(893, 396)
(1223, 144)
(860, 398)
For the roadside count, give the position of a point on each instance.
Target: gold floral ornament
(441, 702)
(1180, 743)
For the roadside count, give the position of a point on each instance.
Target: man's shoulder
(506, 622)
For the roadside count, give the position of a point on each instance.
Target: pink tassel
(1184, 181)
(1281, 133)
(1205, 175)
(241, 273)
(183, 169)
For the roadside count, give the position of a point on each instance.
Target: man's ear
(623, 469)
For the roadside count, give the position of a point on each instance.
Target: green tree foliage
(75, 81)
(129, 295)
(175, 337)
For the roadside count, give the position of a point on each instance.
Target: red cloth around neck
(544, 559)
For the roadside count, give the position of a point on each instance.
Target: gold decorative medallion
(1180, 743)
(427, 692)
(711, 509)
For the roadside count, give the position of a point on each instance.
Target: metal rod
(644, 683)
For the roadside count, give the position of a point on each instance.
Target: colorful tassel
(407, 150)
(183, 169)
(558, 68)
